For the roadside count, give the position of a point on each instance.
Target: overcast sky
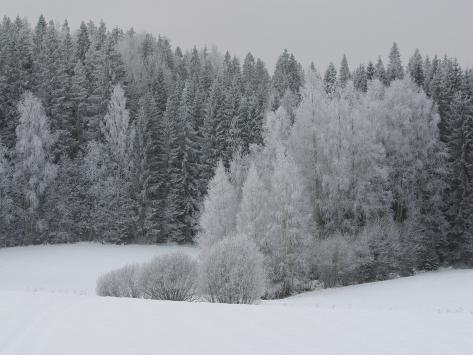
(318, 30)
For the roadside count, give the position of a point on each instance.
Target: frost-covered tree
(141, 170)
(416, 68)
(370, 71)
(115, 130)
(335, 145)
(288, 223)
(252, 219)
(34, 169)
(83, 42)
(460, 187)
(330, 79)
(344, 73)
(395, 71)
(360, 78)
(109, 167)
(413, 155)
(380, 72)
(6, 201)
(220, 207)
(16, 65)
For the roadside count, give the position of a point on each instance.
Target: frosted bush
(169, 277)
(120, 283)
(232, 272)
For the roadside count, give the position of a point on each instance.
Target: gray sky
(318, 30)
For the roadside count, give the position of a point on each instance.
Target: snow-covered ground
(47, 306)
(71, 268)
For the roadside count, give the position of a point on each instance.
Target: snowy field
(71, 268)
(48, 306)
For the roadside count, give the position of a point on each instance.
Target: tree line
(119, 137)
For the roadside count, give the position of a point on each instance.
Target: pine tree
(287, 77)
(83, 42)
(190, 166)
(370, 71)
(141, 171)
(214, 129)
(79, 103)
(156, 157)
(360, 78)
(330, 79)
(110, 173)
(344, 73)
(395, 70)
(172, 224)
(98, 90)
(6, 201)
(416, 68)
(460, 187)
(55, 88)
(17, 66)
(428, 70)
(445, 84)
(39, 55)
(248, 76)
(380, 72)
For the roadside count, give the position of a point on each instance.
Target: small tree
(251, 218)
(170, 277)
(232, 272)
(220, 207)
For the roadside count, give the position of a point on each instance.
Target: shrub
(232, 272)
(169, 277)
(120, 283)
(334, 261)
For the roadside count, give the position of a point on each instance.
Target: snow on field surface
(71, 268)
(429, 314)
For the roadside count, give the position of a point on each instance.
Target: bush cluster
(231, 271)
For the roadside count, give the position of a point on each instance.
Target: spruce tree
(380, 72)
(460, 183)
(370, 71)
(190, 146)
(395, 71)
(344, 72)
(172, 223)
(360, 78)
(145, 231)
(330, 79)
(157, 161)
(78, 96)
(416, 68)
(17, 66)
(83, 42)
